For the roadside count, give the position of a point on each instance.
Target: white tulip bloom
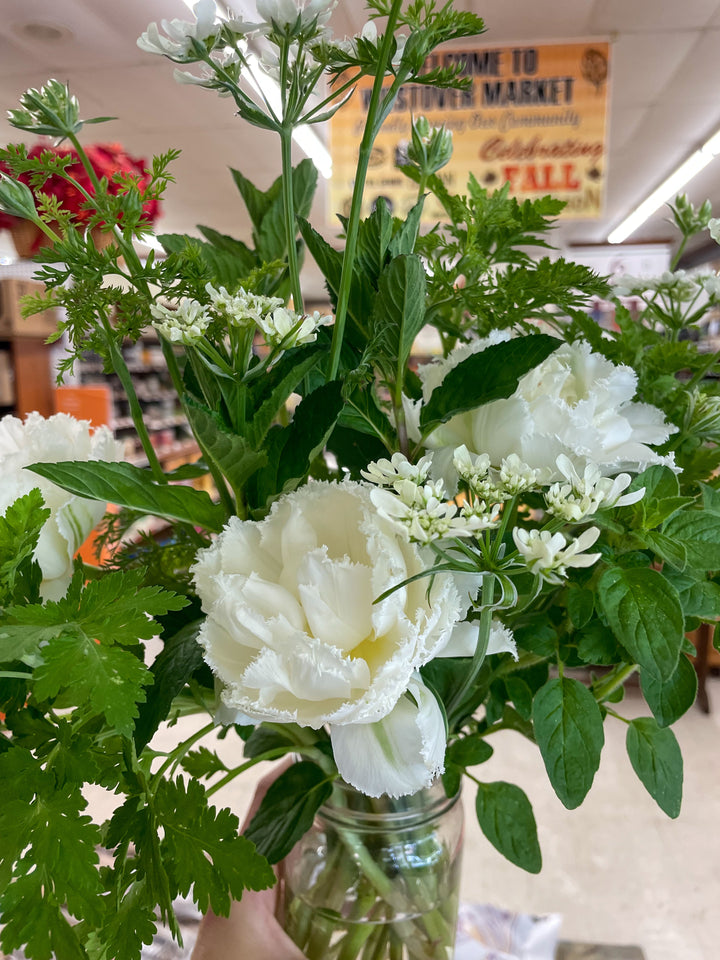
(398, 755)
(575, 403)
(464, 640)
(176, 44)
(40, 440)
(548, 554)
(292, 631)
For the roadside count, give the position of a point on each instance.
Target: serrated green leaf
(203, 763)
(670, 699)
(275, 388)
(597, 645)
(234, 456)
(569, 731)
(644, 612)
(288, 809)
(404, 240)
(100, 679)
(506, 818)
(659, 482)
(656, 759)
(128, 486)
(398, 316)
(203, 849)
(492, 374)
(240, 251)
(699, 533)
(698, 598)
(667, 548)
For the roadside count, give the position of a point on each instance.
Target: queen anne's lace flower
(548, 555)
(40, 440)
(187, 323)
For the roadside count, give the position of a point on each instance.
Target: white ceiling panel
(642, 65)
(638, 16)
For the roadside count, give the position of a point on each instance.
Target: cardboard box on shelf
(12, 323)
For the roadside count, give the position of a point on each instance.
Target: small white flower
(186, 324)
(207, 77)
(425, 517)
(284, 14)
(242, 309)
(711, 285)
(284, 328)
(548, 555)
(517, 477)
(625, 285)
(385, 472)
(471, 469)
(398, 755)
(583, 496)
(176, 44)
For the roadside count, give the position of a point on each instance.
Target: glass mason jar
(376, 879)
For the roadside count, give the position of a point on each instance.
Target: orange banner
(534, 116)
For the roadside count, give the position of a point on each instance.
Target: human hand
(252, 931)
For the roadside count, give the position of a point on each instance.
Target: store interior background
(616, 869)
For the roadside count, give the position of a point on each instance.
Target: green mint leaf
(699, 533)
(644, 613)
(580, 606)
(569, 731)
(670, 699)
(129, 486)
(469, 751)
(492, 374)
(287, 809)
(203, 849)
(656, 759)
(506, 818)
(398, 316)
(698, 598)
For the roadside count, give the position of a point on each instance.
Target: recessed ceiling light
(42, 31)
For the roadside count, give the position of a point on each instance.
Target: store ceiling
(664, 102)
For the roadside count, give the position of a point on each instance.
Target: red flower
(107, 159)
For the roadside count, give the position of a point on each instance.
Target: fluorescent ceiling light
(305, 137)
(668, 189)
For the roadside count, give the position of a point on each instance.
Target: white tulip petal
(398, 755)
(336, 598)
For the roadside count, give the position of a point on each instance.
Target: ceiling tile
(640, 16)
(642, 65)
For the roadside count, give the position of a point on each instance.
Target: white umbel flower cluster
(241, 309)
(284, 328)
(582, 496)
(186, 323)
(549, 555)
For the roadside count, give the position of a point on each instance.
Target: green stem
(289, 213)
(120, 367)
(611, 683)
(179, 752)
(488, 589)
(680, 251)
(353, 226)
(268, 755)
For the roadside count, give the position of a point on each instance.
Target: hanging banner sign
(534, 117)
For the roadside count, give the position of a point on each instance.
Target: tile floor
(616, 869)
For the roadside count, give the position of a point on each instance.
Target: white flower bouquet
(384, 578)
